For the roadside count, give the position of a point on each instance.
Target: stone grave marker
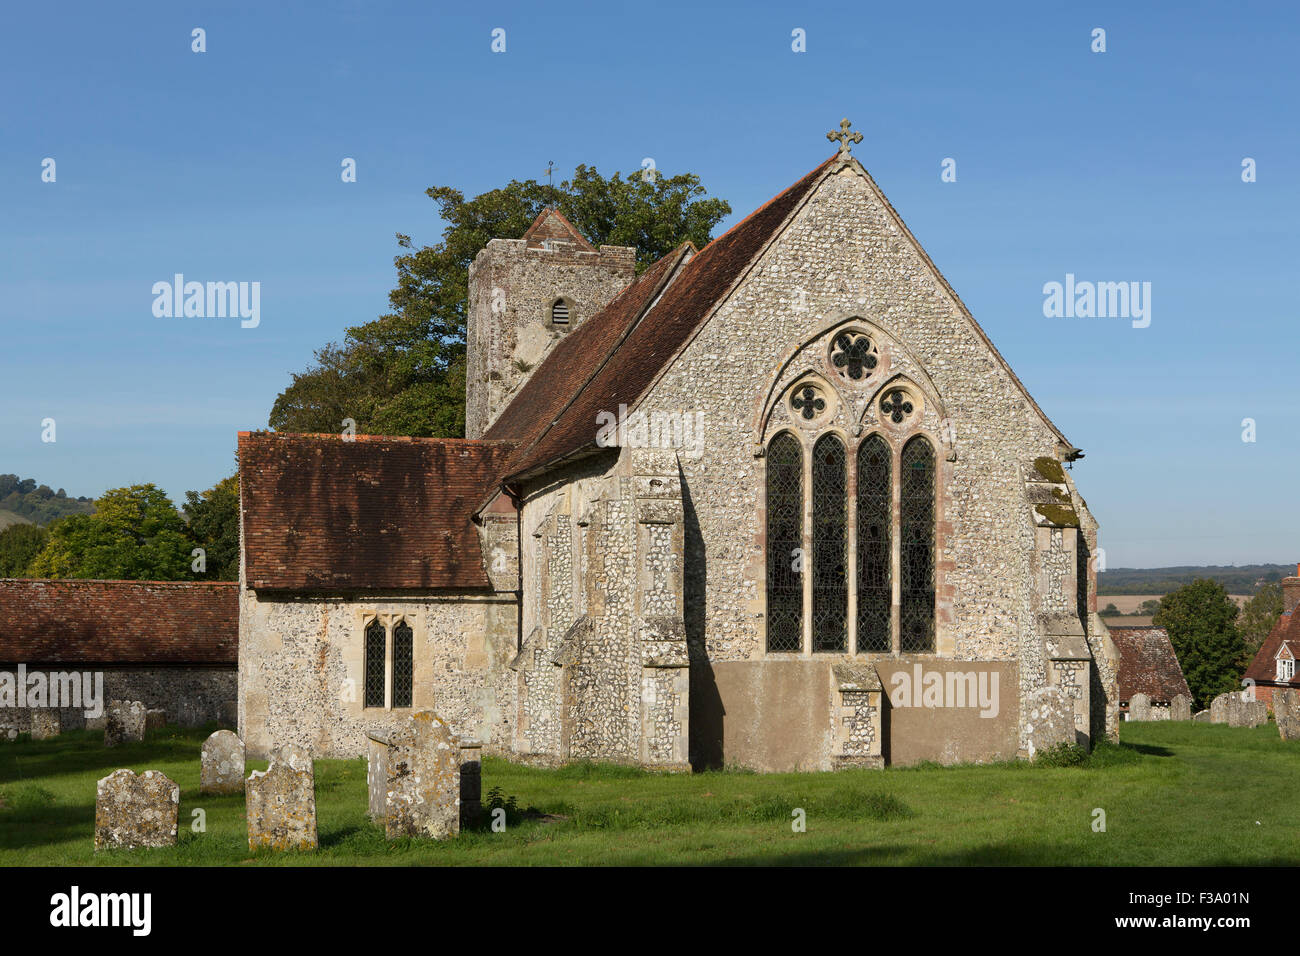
(281, 804)
(221, 764)
(124, 722)
(136, 810)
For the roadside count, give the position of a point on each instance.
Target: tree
(213, 518)
(1258, 616)
(1110, 610)
(135, 534)
(1200, 619)
(1149, 607)
(404, 373)
(19, 544)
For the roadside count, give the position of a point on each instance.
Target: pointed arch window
(403, 664)
(916, 546)
(830, 545)
(376, 664)
(875, 521)
(784, 544)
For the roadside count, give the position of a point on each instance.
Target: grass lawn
(1173, 793)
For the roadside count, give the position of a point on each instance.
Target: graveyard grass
(1173, 794)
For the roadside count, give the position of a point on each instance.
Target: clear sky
(225, 166)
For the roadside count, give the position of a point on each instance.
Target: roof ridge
(118, 581)
(399, 438)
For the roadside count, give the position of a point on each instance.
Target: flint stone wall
(1049, 720)
(136, 811)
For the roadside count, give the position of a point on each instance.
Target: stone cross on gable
(844, 136)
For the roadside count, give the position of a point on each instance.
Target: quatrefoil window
(853, 355)
(896, 406)
(807, 401)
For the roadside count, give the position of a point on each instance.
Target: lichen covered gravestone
(136, 811)
(45, 724)
(1180, 708)
(281, 803)
(221, 764)
(1286, 711)
(1049, 720)
(124, 722)
(1246, 713)
(1139, 707)
(423, 784)
(1219, 709)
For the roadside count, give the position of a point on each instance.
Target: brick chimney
(1291, 592)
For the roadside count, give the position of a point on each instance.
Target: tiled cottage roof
(1148, 664)
(616, 369)
(1263, 669)
(372, 513)
(118, 622)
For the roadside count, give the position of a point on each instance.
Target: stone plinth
(1049, 720)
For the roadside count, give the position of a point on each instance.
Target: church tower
(524, 294)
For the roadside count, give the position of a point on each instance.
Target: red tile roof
(600, 381)
(551, 224)
(1148, 664)
(374, 513)
(1263, 669)
(118, 622)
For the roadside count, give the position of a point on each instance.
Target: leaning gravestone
(281, 805)
(1049, 720)
(1180, 708)
(136, 811)
(1139, 707)
(423, 782)
(45, 724)
(1219, 708)
(221, 764)
(1286, 711)
(124, 722)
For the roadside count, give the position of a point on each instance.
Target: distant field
(1239, 579)
(1129, 603)
(8, 517)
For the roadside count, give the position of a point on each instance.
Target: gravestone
(382, 752)
(221, 764)
(1180, 708)
(423, 781)
(1139, 707)
(124, 722)
(1049, 720)
(1246, 713)
(1202, 716)
(281, 802)
(1286, 711)
(1219, 709)
(155, 719)
(136, 811)
(45, 724)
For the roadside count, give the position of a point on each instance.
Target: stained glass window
(784, 544)
(374, 664)
(852, 354)
(807, 401)
(875, 516)
(403, 664)
(916, 547)
(830, 545)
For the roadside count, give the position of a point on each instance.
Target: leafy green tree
(404, 373)
(1258, 616)
(19, 544)
(1149, 607)
(1201, 621)
(214, 526)
(135, 533)
(1110, 610)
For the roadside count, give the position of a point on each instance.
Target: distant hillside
(24, 500)
(1237, 579)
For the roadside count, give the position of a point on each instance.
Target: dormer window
(1285, 669)
(560, 313)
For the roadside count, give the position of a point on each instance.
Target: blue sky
(1115, 166)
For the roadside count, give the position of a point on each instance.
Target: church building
(775, 503)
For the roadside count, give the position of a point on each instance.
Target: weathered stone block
(1139, 707)
(281, 803)
(221, 764)
(1049, 720)
(423, 782)
(1180, 708)
(1286, 711)
(45, 724)
(124, 722)
(1246, 713)
(136, 811)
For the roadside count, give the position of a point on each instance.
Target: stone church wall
(301, 668)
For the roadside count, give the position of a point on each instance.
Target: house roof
(372, 513)
(620, 373)
(1148, 664)
(119, 622)
(1263, 669)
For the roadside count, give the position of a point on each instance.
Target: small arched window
(875, 518)
(403, 664)
(830, 545)
(560, 313)
(375, 664)
(916, 547)
(784, 544)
